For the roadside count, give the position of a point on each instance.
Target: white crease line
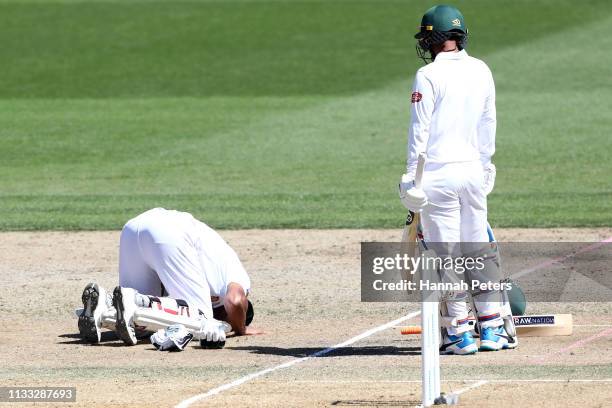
(466, 380)
(462, 390)
(554, 380)
(187, 402)
(471, 387)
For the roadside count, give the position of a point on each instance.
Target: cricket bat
(414, 219)
(411, 227)
(527, 326)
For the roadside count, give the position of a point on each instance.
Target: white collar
(451, 55)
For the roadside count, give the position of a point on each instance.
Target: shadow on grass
(339, 352)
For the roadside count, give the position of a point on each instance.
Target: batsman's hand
(211, 330)
(412, 198)
(489, 177)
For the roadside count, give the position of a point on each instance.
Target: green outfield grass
(285, 113)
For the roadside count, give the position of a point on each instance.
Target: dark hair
(429, 39)
(250, 313)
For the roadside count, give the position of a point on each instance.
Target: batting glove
(412, 198)
(211, 330)
(489, 178)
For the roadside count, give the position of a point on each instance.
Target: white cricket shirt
(453, 111)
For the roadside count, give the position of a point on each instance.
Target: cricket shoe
(461, 344)
(124, 301)
(90, 320)
(496, 338)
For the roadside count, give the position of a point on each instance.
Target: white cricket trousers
(159, 247)
(457, 212)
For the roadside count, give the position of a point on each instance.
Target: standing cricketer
(170, 252)
(453, 121)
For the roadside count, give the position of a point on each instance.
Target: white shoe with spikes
(124, 301)
(90, 319)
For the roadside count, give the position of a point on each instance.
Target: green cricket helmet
(440, 23)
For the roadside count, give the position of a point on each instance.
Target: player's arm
(422, 101)
(422, 106)
(486, 136)
(487, 125)
(235, 303)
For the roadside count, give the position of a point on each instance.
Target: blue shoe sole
(467, 353)
(450, 353)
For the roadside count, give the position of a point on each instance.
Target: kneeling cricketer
(173, 270)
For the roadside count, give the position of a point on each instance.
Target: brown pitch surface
(307, 297)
